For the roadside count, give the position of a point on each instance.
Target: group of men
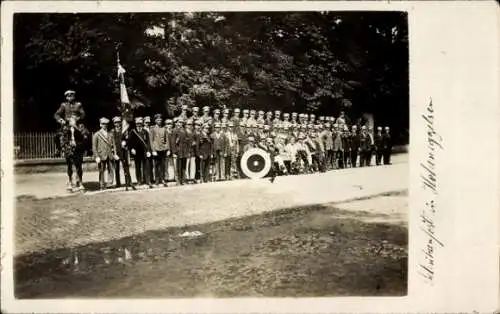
(208, 146)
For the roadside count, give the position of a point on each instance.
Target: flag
(123, 95)
(123, 89)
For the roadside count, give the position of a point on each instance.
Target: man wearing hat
(170, 161)
(117, 138)
(277, 119)
(159, 144)
(180, 150)
(192, 143)
(195, 113)
(354, 145)
(236, 117)
(67, 109)
(379, 146)
(286, 120)
(233, 146)
(206, 118)
(103, 147)
(294, 120)
(260, 117)
(121, 137)
(225, 116)
(364, 146)
(219, 151)
(251, 121)
(183, 115)
(269, 118)
(245, 116)
(327, 136)
(140, 150)
(387, 146)
(205, 153)
(216, 116)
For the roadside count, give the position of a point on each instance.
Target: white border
(454, 53)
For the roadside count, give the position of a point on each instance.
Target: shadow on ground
(295, 252)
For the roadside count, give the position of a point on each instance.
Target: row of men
(192, 147)
(253, 117)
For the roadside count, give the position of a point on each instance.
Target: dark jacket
(192, 143)
(140, 142)
(66, 110)
(379, 141)
(204, 146)
(354, 138)
(180, 145)
(387, 141)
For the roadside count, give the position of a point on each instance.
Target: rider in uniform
(67, 109)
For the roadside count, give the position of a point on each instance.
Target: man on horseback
(67, 109)
(71, 136)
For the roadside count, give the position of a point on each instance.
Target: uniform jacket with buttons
(68, 109)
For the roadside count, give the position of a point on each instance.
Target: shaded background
(321, 62)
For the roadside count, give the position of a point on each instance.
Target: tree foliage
(320, 62)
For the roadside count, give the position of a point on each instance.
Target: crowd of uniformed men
(208, 147)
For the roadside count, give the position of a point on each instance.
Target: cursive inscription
(429, 180)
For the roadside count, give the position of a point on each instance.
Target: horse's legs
(69, 165)
(79, 169)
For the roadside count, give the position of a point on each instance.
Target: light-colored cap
(104, 120)
(117, 119)
(69, 92)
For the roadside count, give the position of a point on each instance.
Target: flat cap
(117, 119)
(69, 92)
(104, 120)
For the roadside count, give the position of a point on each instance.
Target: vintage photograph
(211, 154)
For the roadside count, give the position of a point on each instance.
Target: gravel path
(43, 224)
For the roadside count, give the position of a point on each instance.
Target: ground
(338, 233)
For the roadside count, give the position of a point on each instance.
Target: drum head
(255, 163)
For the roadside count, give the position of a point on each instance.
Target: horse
(73, 139)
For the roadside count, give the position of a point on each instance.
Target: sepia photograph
(211, 154)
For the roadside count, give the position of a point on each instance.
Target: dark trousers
(302, 155)
(159, 165)
(354, 157)
(180, 169)
(347, 158)
(197, 176)
(126, 171)
(142, 169)
(149, 171)
(204, 170)
(288, 165)
(330, 160)
(77, 162)
(105, 165)
(362, 158)
(339, 159)
(378, 156)
(387, 156)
